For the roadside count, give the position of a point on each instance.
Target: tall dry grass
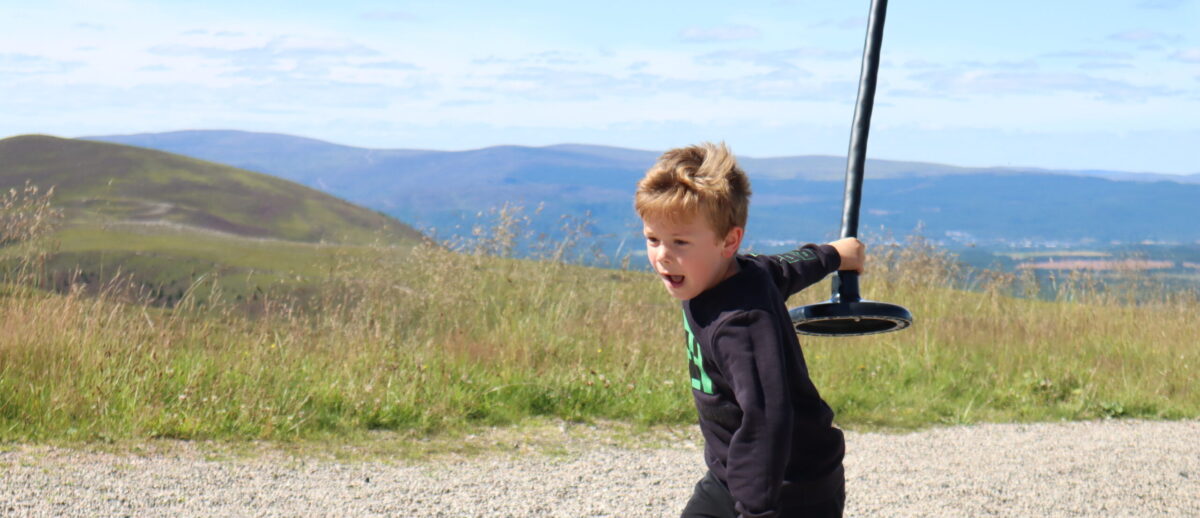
(994, 346)
(432, 337)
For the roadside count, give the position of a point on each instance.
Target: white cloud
(1191, 55)
(21, 65)
(279, 59)
(920, 64)
(454, 103)
(850, 23)
(552, 84)
(388, 65)
(980, 83)
(1104, 65)
(788, 58)
(741, 75)
(1090, 54)
(270, 53)
(1027, 64)
(720, 33)
(390, 16)
(548, 57)
(1160, 4)
(1145, 36)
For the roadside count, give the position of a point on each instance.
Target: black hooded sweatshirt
(769, 437)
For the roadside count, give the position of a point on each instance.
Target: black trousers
(711, 499)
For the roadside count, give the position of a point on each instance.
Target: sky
(1070, 84)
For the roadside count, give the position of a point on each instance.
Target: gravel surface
(1106, 468)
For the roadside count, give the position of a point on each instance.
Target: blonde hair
(696, 180)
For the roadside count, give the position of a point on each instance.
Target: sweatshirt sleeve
(802, 267)
(751, 350)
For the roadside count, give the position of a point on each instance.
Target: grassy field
(428, 340)
(165, 261)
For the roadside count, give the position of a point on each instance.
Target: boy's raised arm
(807, 265)
(798, 269)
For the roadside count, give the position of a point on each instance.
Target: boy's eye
(652, 240)
(680, 242)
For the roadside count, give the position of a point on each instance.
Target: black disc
(864, 317)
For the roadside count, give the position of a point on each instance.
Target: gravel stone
(1102, 468)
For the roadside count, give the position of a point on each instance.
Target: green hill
(108, 183)
(162, 222)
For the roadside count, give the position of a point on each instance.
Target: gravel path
(1109, 468)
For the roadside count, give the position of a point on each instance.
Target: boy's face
(688, 255)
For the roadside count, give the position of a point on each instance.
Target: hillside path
(1103, 468)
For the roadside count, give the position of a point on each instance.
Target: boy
(770, 445)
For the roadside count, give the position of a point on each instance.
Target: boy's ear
(732, 241)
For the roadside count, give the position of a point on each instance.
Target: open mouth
(673, 280)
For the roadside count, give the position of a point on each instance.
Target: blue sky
(1067, 84)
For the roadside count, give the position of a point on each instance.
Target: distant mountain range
(796, 198)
